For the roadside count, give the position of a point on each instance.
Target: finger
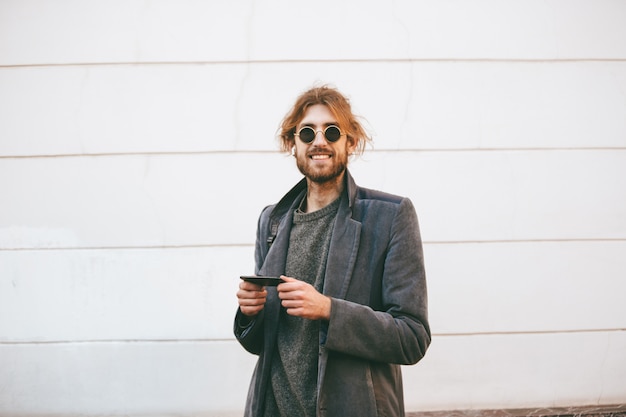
(292, 285)
(249, 286)
(293, 312)
(290, 303)
(298, 312)
(245, 294)
(251, 302)
(251, 311)
(291, 293)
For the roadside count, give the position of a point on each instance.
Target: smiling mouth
(319, 157)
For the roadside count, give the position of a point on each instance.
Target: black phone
(264, 281)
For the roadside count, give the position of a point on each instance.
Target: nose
(319, 137)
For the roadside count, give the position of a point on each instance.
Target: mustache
(319, 149)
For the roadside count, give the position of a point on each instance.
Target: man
(353, 305)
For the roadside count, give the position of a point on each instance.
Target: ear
(351, 143)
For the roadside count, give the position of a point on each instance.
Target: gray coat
(375, 277)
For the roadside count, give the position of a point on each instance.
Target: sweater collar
(294, 196)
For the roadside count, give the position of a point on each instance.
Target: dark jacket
(379, 321)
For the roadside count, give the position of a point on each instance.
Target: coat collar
(343, 245)
(297, 193)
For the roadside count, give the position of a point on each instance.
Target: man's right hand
(251, 298)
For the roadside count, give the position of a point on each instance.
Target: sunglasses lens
(332, 133)
(307, 135)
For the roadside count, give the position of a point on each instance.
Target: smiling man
(352, 305)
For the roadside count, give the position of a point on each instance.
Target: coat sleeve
(249, 331)
(398, 332)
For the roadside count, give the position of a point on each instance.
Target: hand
(251, 298)
(303, 300)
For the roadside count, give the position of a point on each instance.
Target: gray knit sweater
(293, 388)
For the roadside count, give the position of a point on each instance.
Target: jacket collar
(297, 193)
(343, 246)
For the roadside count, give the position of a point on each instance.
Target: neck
(319, 195)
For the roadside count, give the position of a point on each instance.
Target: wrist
(327, 308)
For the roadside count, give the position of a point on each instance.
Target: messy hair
(340, 108)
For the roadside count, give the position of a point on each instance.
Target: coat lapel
(276, 259)
(274, 265)
(342, 253)
(344, 241)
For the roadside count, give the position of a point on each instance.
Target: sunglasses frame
(317, 131)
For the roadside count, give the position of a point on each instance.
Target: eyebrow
(312, 125)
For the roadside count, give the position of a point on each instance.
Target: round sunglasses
(307, 134)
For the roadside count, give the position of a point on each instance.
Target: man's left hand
(303, 300)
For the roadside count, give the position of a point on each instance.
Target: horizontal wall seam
(382, 150)
(530, 332)
(322, 61)
(205, 340)
(247, 245)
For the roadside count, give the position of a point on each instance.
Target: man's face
(321, 161)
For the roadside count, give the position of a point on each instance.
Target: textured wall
(137, 149)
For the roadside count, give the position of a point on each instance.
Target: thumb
(287, 279)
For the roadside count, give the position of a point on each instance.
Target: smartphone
(264, 281)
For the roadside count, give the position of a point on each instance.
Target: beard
(321, 176)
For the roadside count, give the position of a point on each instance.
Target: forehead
(318, 115)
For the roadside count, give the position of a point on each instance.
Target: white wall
(137, 149)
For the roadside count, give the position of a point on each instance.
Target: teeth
(320, 156)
